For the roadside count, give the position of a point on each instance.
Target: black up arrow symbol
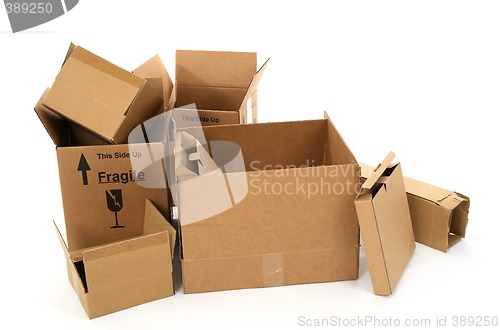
(83, 167)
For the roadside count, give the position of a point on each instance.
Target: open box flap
(252, 87)
(215, 68)
(74, 278)
(154, 68)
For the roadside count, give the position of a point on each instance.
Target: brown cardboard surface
(101, 97)
(125, 273)
(92, 178)
(263, 239)
(219, 82)
(439, 216)
(386, 228)
(154, 68)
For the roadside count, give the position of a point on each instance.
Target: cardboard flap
(71, 48)
(337, 152)
(154, 68)
(73, 275)
(214, 68)
(154, 222)
(378, 171)
(56, 126)
(252, 87)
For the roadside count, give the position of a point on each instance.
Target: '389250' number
(28, 8)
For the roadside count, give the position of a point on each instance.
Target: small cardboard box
(439, 216)
(99, 187)
(266, 205)
(122, 274)
(219, 84)
(384, 218)
(101, 97)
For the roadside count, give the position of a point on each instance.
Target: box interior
(271, 146)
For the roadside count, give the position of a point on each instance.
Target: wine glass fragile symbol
(114, 200)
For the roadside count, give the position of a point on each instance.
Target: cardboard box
(439, 216)
(219, 84)
(100, 194)
(122, 274)
(101, 97)
(270, 204)
(386, 229)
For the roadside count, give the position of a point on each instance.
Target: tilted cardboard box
(384, 218)
(219, 84)
(439, 216)
(99, 187)
(125, 273)
(285, 217)
(100, 96)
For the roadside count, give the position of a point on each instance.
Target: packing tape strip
(272, 269)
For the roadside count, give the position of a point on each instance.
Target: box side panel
(372, 245)
(394, 225)
(210, 98)
(102, 199)
(270, 270)
(145, 105)
(217, 69)
(210, 118)
(430, 222)
(145, 259)
(278, 212)
(122, 296)
(275, 145)
(79, 136)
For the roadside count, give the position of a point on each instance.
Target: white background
(421, 78)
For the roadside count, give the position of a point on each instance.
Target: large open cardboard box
(100, 96)
(286, 216)
(120, 274)
(439, 216)
(219, 84)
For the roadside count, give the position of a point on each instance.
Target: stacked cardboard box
(120, 245)
(259, 205)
